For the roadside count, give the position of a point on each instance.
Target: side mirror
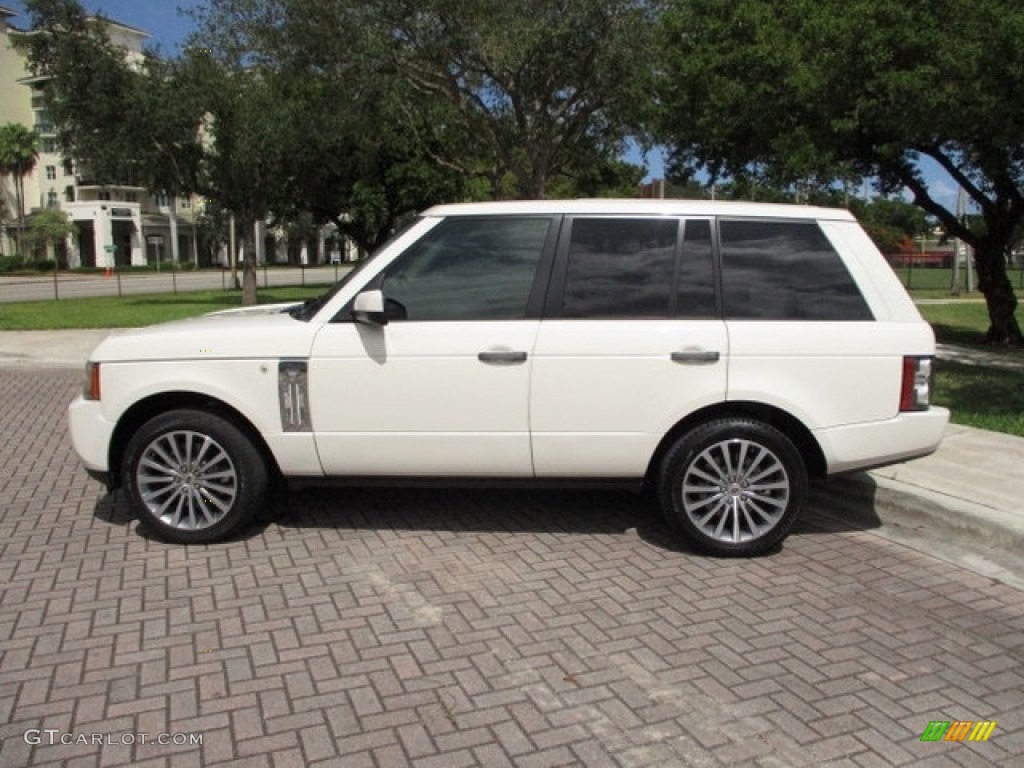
(369, 308)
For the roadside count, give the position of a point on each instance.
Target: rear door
(631, 342)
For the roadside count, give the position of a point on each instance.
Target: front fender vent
(293, 395)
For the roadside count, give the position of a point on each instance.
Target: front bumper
(91, 434)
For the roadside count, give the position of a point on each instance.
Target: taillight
(91, 388)
(916, 391)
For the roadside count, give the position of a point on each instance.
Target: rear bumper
(876, 444)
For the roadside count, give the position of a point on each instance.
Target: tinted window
(781, 270)
(620, 268)
(695, 292)
(467, 269)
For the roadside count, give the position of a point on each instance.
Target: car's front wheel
(733, 486)
(193, 477)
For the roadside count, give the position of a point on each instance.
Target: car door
(441, 389)
(632, 341)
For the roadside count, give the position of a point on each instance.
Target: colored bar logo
(958, 730)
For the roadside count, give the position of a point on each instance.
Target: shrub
(10, 263)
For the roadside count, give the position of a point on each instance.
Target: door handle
(502, 358)
(696, 356)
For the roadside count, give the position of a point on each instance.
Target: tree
(242, 165)
(514, 92)
(124, 121)
(544, 87)
(50, 227)
(800, 89)
(19, 151)
(353, 151)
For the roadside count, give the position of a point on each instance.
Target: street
(382, 627)
(73, 285)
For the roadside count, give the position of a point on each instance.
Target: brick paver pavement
(473, 628)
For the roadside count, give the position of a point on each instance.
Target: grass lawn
(132, 311)
(985, 398)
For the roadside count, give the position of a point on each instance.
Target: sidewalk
(62, 349)
(973, 485)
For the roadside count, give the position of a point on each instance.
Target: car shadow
(834, 506)
(840, 504)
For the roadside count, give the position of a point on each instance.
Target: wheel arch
(153, 405)
(786, 423)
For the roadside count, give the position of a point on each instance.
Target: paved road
(441, 628)
(71, 285)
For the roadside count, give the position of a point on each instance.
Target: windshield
(308, 309)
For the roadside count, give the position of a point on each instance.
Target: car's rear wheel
(733, 486)
(193, 477)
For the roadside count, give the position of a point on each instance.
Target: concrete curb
(903, 504)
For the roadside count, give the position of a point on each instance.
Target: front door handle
(502, 358)
(696, 356)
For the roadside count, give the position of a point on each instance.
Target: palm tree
(19, 150)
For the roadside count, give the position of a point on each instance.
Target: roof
(5, 11)
(634, 206)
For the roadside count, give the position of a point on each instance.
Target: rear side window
(620, 268)
(785, 270)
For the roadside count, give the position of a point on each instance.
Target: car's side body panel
(416, 399)
(605, 392)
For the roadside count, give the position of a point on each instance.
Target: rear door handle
(502, 358)
(696, 356)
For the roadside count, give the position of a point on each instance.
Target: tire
(733, 487)
(193, 477)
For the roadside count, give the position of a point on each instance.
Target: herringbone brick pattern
(473, 628)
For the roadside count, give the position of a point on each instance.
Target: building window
(69, 166)
(69, 194)
(51, 172)
(186, 203)
(51, 199)
(160, 198)
(131, 197)
(49, 145)
(104, 194)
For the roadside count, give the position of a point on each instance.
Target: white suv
(718, 353)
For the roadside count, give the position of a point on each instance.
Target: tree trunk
(995, 285)
(249, 297)
(19, 194)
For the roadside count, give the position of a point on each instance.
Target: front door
(442, 389)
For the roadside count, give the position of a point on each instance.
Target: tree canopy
(815, 89)
(514, 94)
(123, 121)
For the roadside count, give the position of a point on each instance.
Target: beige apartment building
(116, 225)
